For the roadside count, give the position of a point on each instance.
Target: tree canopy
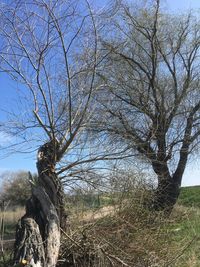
(150, 99)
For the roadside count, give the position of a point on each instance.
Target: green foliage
(190, 196)
(16, 188)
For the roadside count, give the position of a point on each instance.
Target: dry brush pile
(129, 236)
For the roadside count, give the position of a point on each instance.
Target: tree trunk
(166, 195)
(38, 231)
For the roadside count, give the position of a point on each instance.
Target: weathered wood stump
(38, 231)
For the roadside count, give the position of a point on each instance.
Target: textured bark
(38, 231)
(28, 245)
(168, 189)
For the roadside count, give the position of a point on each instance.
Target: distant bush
(15, 188)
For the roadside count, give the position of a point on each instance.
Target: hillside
(190, 196)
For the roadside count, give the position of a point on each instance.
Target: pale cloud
(2, 170)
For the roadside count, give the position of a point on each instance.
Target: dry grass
(130, 235)
(93, 215)
(12, 216)
(8, 221)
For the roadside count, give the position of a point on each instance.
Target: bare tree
(151, 91)
(50, 49)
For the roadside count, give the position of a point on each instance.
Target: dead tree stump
(38, 231)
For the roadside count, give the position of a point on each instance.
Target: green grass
(190, 196)
(185, 236)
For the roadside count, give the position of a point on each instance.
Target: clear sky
(27, 161)
(181, 5)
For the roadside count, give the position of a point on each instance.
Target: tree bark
(38, 231)
(165, 195)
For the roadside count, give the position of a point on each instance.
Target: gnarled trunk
(38, 231)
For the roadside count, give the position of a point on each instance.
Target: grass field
(190, 196)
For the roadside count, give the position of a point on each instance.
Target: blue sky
(8, 100)
(9, 96)
(179, 5)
